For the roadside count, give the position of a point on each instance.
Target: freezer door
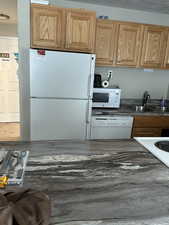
(58, 119)
(61, 74)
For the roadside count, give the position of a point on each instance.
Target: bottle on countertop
(162, 102)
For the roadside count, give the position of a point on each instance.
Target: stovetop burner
(158, 146)
(163, 145)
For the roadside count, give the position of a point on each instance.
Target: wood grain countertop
(98, 182)
(127, 112)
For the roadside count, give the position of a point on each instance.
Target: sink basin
(151, 108)
(139, 108)
(145, 109)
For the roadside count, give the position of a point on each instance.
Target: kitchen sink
(152, 108)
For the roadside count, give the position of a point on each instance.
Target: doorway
(9, 90)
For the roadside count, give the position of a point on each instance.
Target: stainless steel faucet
(146, 97)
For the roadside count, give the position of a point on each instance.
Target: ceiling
(9, 7)
(160, 6)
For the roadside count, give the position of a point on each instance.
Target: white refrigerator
(61, 86)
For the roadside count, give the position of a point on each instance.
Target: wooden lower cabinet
(146, 132)
(151, 121)
(149, 126)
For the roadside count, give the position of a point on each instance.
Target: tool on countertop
(3, 181)
(12, 167)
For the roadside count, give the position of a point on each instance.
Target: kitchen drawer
(151, 121)
(146, 132)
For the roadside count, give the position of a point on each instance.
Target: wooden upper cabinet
(154, 44)
(105, 32)
(80, 30)
(166, 60)
(128, 44)
(62, 29)
(47, 27)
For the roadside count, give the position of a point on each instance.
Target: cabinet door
(146, 132)
(151, 121)
(166, 61)
(105, 31)
(80, 30)
(154, 44)
(128, 44)
(47, 27)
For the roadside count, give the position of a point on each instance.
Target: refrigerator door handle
(91, 76)
(89, 86)
(87, 113)
(88, 119)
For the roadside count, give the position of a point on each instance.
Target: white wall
(132, 81)
(8, 30)
(24, 74)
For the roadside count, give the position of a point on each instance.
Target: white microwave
(106, 98)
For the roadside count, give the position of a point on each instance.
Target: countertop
(98, 182)
(128, 111)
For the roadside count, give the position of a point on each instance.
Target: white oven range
(158, 146)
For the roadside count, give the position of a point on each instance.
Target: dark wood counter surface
(98, 182)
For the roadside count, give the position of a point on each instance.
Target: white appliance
(106, 98)
(111, 127)
(60, 94)
(149, 144)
